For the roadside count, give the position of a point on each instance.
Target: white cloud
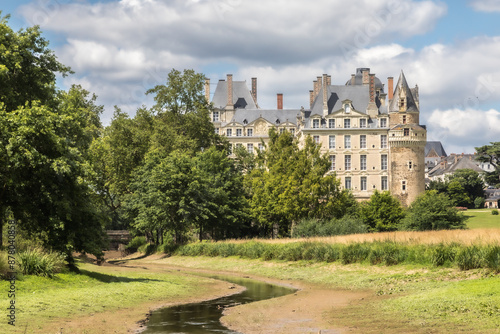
(464, 129)
(486, 5)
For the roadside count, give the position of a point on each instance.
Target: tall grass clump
(37, 262)
(388, 253)
(4, 266)
(471, 257)
(443, 254)
(353, 253)
(318, 228)
(492, 258)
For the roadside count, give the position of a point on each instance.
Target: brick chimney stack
(311, 98)
(280, 101)
(207, 89)
(390, 87)
(329, 80)
(366, 76)
(315, 88)
(372, 88)
(325, 94)
(230, 90)
(254, 89)
(320, 84)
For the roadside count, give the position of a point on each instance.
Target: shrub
(494, 212)
(135, 243)
(4, 266)
(37, 262)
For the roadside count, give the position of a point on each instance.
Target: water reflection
(205, 317)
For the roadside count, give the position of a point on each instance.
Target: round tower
(407, 140)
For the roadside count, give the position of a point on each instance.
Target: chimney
(311, 98)
(353, 79)
(315, 88)
(207, 89)
(329, 80)
(280, 101)
(390, 87)
(366, 76)
(320, 84)
(254, 89)
(229, 90)
(372, 88)
(325, 95)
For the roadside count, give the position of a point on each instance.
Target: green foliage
(458, 195)
(37, 262)
(432, 211)
(342, 226)
(289, 184)
(494, 212)
(490, 154)
(27, 67)
(479, 203)
(472, 185)
(382, 212)
(136, 242)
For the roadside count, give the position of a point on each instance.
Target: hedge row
(386, 252)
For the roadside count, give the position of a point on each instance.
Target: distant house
(434, 152)
(491, 198)
(448, 165)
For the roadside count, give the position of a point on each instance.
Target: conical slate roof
(403, 91)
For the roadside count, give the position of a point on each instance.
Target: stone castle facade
(373, 139)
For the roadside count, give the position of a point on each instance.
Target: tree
(289, 184)
(382, 212)
(27, 67)
(490, 154)
(457, 194)
(433, 211)
(471, 183)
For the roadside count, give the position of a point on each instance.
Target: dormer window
(402, 104)
(315, 123)
(278, 121)
(347, 108)
(383, 122)
(245, 121)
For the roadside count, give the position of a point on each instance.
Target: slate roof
(358, 95)
(242, 97)
(462, 163)
(271, 115)
(358, 79)
(402, 89)
(437, 147)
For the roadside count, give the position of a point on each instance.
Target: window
(362, 162)
(260, 146)
(238, 132)
(363, 182)
(316, 139)
(292, 131)
(239, 145)
(383, 141)
(383, 162)
(347, 109)
(410, 165)
(362, 141)
(332, 162)
(217, 130)
(348, 183)
(362, 123)
(249, 132)
(406, 132)
(331, 123)
(403, 185)
(347, 123)
(250, 148)
(331, 142)
(384, 183)
(215, 116)
(347, 161)
(404, 119)
(229, 132)
(282, 130)
(347, 141)
(230, 148)
(315, 123)
(383, 122)
(401, 104)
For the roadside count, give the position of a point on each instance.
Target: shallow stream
(205, 317)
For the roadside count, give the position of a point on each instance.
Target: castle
(373, 139)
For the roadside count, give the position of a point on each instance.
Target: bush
(37, 262)
(494, 212)
(4, 266)
(135, 243)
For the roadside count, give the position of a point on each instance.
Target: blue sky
(119, 49)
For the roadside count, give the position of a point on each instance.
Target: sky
(120, 49)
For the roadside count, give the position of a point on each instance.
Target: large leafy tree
(28, 67)
(289, 184)
(470, 181)
(433, 211)
(490, 154)
(382, 212)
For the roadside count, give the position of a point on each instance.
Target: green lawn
(482, 219)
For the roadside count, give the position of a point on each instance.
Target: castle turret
(407, 139)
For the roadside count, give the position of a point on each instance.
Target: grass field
(482, 219)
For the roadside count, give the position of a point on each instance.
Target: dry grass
(465, 237)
